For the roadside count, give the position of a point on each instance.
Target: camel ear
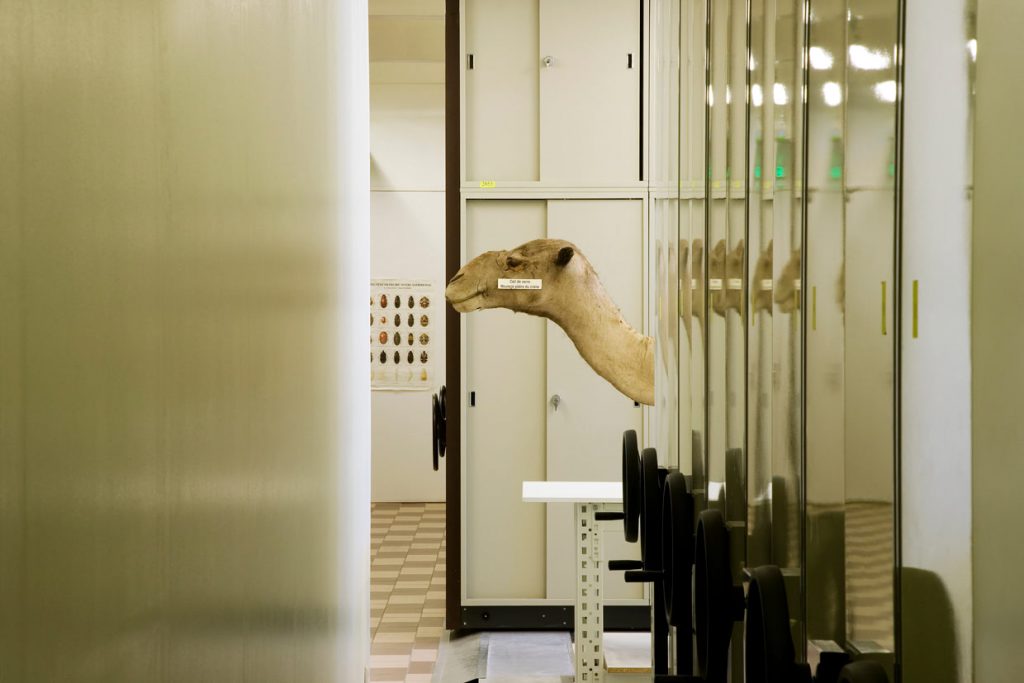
(564, 256)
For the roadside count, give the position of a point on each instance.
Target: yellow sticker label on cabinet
(487, 184)
(715, 283)
(735, 283)
(766, 284)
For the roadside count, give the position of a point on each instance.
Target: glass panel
(784, 111)
(718, 214)
(691, 240)
(759, 296)
(825, 334)
(664, 187)
(868, 286)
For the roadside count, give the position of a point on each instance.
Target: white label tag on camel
(519, 283)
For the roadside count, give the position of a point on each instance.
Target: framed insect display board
(402, 324)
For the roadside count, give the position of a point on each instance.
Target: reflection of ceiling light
(715, 490)
(728, 95)
(711, 96)
(868, 60)
(780, 95)
(972, 48)
(833, 94)
(756, 95)
(885, 91)
(753, 63)
(821, 58)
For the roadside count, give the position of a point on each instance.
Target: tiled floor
(406, 591)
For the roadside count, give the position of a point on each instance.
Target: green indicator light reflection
(780, 172)
(836, 172)
(757, 171)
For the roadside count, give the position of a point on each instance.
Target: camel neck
(606, 341)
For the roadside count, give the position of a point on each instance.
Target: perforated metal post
(589, 596)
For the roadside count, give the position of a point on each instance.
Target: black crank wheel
(435, 430)
(714, 596)
(442, 422)
(650, 520)
(677, 549)
(632, 486)
(768, 644)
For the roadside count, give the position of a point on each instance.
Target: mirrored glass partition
(663, 187)
(780, 252)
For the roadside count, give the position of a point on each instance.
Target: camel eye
(512, 262)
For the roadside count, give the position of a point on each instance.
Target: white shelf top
(572, 491)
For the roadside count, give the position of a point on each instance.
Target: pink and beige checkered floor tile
(406, 590)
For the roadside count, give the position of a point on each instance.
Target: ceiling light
(833, 94)
(885, 91)
(972, 48)
(756, 95)
(821, 58)
(868, 60)
(780, 95)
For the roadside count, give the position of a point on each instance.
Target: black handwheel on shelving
(435, 441)
(769, 654)
(650, 521)
(864, 671)
(677, 550)
(632, 491)
(677, 565)
(442, 423)
(718, 603)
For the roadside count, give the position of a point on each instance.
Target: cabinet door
(590, 91)
(501, 90)
(505, 356)
(584, 432)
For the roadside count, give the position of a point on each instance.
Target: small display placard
(519, 283)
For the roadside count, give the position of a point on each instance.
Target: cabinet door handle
(469, 60)
(547, 61)
(555, 400)
(629, 60)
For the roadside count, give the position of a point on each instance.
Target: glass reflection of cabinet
(785, 288)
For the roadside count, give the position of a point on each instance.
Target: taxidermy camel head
(571, 296)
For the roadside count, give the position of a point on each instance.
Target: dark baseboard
(547, 618)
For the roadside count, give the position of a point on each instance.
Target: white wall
(936, 372)
(407, 222)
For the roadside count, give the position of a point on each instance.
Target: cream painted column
(936, 360)
(184, 386)
(353, 417)
(997, 339)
